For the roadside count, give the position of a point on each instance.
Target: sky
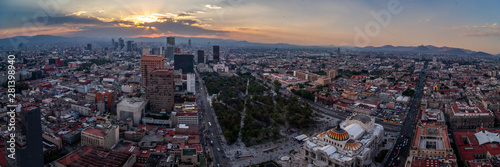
(471, 25)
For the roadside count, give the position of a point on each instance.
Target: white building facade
(353, 143)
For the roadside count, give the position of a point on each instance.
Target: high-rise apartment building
(148, 64)
(160, 90)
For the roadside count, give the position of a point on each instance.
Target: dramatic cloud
(212, 6)
(326, 22)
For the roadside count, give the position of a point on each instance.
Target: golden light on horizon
(141, 19)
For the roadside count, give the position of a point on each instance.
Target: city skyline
(463, 24)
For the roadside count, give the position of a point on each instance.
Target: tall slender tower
(201, 56)
(216, 56)
(121, 44)
(170, 47)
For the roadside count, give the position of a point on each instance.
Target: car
(218, 149)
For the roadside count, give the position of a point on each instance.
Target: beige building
(101, 136)
(324, 80)
(431, 141)
(186, 118)
(333, 73)
(463, 116)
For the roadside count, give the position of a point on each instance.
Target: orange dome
(352, 145)
(338, 134)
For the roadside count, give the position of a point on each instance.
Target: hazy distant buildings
(170, 47)
(184, 62)
(145, 51)
(89, 46)
(157, 51)
(129, 46)
(114, 44)
(201, 56)
(148, 64)
(333, 73)
(160, 90)
(121, 44)
(216, 56)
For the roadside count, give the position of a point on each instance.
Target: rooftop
(95, 131)
(94, 156)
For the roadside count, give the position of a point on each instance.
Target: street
(401, 149)
(209, 121)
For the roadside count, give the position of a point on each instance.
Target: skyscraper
(177, 50)
(160, 90)
(201, 56)
(129, 46)
(216, 57)
(29, 138)
(148, 64)
(170, 47)
(89, 46)
(184, 62)
(189, 43)
(115, 46)
(121, 44)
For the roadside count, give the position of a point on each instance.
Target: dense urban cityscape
(249, 84)
(128, 104)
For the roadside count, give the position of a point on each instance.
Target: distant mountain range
(424, 49)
